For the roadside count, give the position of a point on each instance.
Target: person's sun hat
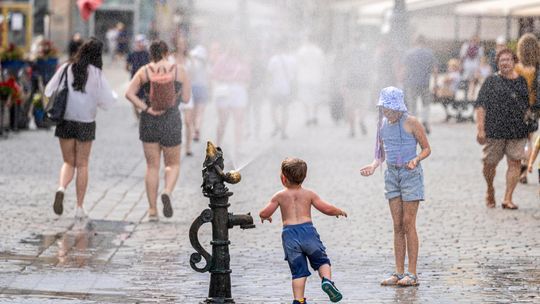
(392, 98)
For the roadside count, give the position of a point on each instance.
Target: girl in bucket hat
(398, 135)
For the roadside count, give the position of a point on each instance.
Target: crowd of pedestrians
(172, 83)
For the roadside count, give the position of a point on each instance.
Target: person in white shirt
(311, 63)
(87, 89)
(282, 85)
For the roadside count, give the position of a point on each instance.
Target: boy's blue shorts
(300, 242)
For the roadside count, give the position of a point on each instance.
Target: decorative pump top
(213, 176)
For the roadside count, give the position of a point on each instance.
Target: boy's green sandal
(331, 290)
(408, 279)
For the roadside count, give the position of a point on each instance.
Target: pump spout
(245, 221)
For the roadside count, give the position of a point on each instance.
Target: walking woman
(398, 135)
(528, 52)
(88, 89)
(231, 74)
(160, 127)
(181, 57)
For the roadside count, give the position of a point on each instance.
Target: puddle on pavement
(72, 265)
(88, 244)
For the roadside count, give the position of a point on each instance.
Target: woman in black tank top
(160, 131)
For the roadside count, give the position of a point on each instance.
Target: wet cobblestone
(468, 254)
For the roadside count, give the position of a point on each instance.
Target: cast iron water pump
(218, 263)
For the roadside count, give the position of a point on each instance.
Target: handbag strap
(64, 77)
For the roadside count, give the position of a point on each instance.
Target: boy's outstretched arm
(266, 213)
(326, 207)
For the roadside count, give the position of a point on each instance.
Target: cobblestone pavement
(468, 254)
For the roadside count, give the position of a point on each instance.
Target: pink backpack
(162, 88)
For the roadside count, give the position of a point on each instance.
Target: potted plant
(39, 111)
(12, 58)
(10, 90)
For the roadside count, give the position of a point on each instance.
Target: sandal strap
(410, 275)
(398, 275)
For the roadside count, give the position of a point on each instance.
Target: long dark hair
(89, 53)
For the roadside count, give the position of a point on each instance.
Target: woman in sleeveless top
(160, 131)
(398, 135)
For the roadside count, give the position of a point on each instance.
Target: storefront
(16, 23)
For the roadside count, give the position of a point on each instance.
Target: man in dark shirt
(419, 63)
(136, 60)
(500, 113)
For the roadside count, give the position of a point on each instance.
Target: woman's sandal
(408, 279)
(509, 205)
(392, 280)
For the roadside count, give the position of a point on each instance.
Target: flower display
(10, 88)
(11, 53)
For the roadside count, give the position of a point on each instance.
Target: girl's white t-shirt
(82, 106)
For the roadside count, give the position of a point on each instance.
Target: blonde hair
(454, 62)
(528, 51)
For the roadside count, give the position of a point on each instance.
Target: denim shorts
(301, 243)
(400, 181)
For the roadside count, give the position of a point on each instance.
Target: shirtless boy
(301, 242)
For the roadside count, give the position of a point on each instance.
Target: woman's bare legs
(188, 122)
(223, 117)
(82, 155)
(198, 119)
(68, 167)
(171, 157)
(238, 116)
(152, 153)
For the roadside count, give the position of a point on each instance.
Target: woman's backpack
(162, 88)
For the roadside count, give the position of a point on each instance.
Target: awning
(499, 8)
(380, 8)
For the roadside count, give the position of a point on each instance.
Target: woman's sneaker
(167, 207)
(331, 290)
(300, 302)
(58, 205)
(80, 214)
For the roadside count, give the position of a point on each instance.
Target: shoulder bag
(56, 107)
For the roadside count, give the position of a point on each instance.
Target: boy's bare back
(295, 205)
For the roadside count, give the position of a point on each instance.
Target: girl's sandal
(392, 280)
(409, 279)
